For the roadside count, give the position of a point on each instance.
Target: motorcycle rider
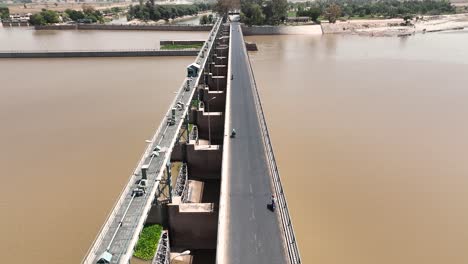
(273, 204)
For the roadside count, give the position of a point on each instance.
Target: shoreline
(394, 27)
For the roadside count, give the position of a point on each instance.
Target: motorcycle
(272, 206)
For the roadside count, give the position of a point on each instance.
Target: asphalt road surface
(254, 231)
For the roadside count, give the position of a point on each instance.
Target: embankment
(282, 30)
(83, 54)
(126, 27)
(397, 27)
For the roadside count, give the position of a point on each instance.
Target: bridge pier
(193, 225)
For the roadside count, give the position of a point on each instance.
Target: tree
(314, 13)
(252, 14)
(204, 20)
(37, 19)
(49, 16)
(280, 11)
(4, 12)
(223, 6)
(408, 19)
(333, 12)
(74, 15)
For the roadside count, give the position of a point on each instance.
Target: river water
(370, 139)
(29, 39)
(369, 134)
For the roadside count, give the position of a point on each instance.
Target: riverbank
(395, 27)
(60, 7)
(167, 50)
(155, 27)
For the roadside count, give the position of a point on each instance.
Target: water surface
(369, 134)
(370, 139)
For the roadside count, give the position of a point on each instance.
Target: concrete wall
(117, 53)
(180, 42)
(222, 51)
(14, 24)
(178, 152)
(217, 82)
(194, 230)
(218, 70)
(217, 125)
(216, 105)
(220, 60)
(127, 27)
(204, 162)
(282, 30)
(158, 214)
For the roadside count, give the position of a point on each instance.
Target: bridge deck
(135, 209)
(254, 234)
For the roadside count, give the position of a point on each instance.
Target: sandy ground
(37, 7)
(392, 27)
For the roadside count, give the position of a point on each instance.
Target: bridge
(208, 189)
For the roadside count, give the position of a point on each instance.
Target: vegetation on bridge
(181, 46)
(148, 242)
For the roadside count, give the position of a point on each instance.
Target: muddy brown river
(369, 135)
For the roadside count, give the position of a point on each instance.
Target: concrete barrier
(282, 30)
(83, 54)
(9, 23)
(181, 42)
(126, 27)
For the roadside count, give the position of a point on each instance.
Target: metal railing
(194, 134)
(163, 251)
(292, 247)
(181, 183)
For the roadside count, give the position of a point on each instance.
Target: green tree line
(44, 17)
(332, 10)
(259, 12)
(88, 15)
(151, 11)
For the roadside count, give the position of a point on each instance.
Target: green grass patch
(195, 103)
(292, 13)
(181, 46)
(148, 242)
